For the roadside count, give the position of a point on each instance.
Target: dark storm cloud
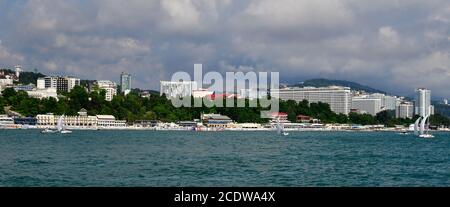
(393, 45)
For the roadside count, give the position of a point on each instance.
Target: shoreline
(17, 127)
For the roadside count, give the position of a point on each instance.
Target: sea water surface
(163, 158)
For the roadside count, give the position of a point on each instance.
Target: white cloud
(8, 57)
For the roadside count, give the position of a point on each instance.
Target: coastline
(204, 129)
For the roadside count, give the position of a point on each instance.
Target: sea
(241, 159)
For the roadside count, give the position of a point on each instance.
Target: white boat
(426, 136)
(280, 128)
(416, 126)
(48, 131)
(60, 126)
(422, 130)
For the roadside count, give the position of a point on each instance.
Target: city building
(423, 102)
(216, 120)
(109, 121)
(366, 105)
(145, 94)
(43, 93)
(281, 117)
(253, 93)
(339, 98)
(18, 70)
(110, 88)
(201, 93)
(174, 89)
(387, 102)
(82, 120)
(7, 80)
(6, 120)
(25, 121)
(21, 87)
(304, 119)
(125, 83)
(405, 110)
(65, 84)
(445, 102)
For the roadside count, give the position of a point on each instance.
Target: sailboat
(416, 126)
(60, 126)
(419, 127)
(424, 132)
(280, 128)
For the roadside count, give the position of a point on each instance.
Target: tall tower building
(423, 102)
(125, 83)
(18, 70)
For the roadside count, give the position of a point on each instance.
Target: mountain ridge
(322, 82)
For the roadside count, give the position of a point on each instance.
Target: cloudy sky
(393, 45)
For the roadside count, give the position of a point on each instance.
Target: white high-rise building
(125, 83)
(423, 102)
(173, 89)
(110, 88)
(367, 105)
(387, 102)
(405, 110)
(18, 70)
(339, 98)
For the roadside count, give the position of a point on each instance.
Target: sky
(392, 45)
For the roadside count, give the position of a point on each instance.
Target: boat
(404, 133)
(48, 131)
(280, 128)
(422, 130)
(60, 126)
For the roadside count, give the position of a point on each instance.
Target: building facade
(423, 102)
(65, 84)
(174, 89)
(339, 98)
(201, 93)
(125, 83)
(367, 105)
(216, 121)
(82, 120)
(43, 93)
(405, 110)
(109, 121)
(110, 88)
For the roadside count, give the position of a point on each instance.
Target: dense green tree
(132, 107)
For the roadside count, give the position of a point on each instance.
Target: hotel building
(422, 101)
(339, 98)
(367, 105)
(405, 110)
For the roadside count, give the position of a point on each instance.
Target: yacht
(60, 126)
(280, 128)
(422, 129)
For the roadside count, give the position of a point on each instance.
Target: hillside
(326, 82)
(442, 109)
